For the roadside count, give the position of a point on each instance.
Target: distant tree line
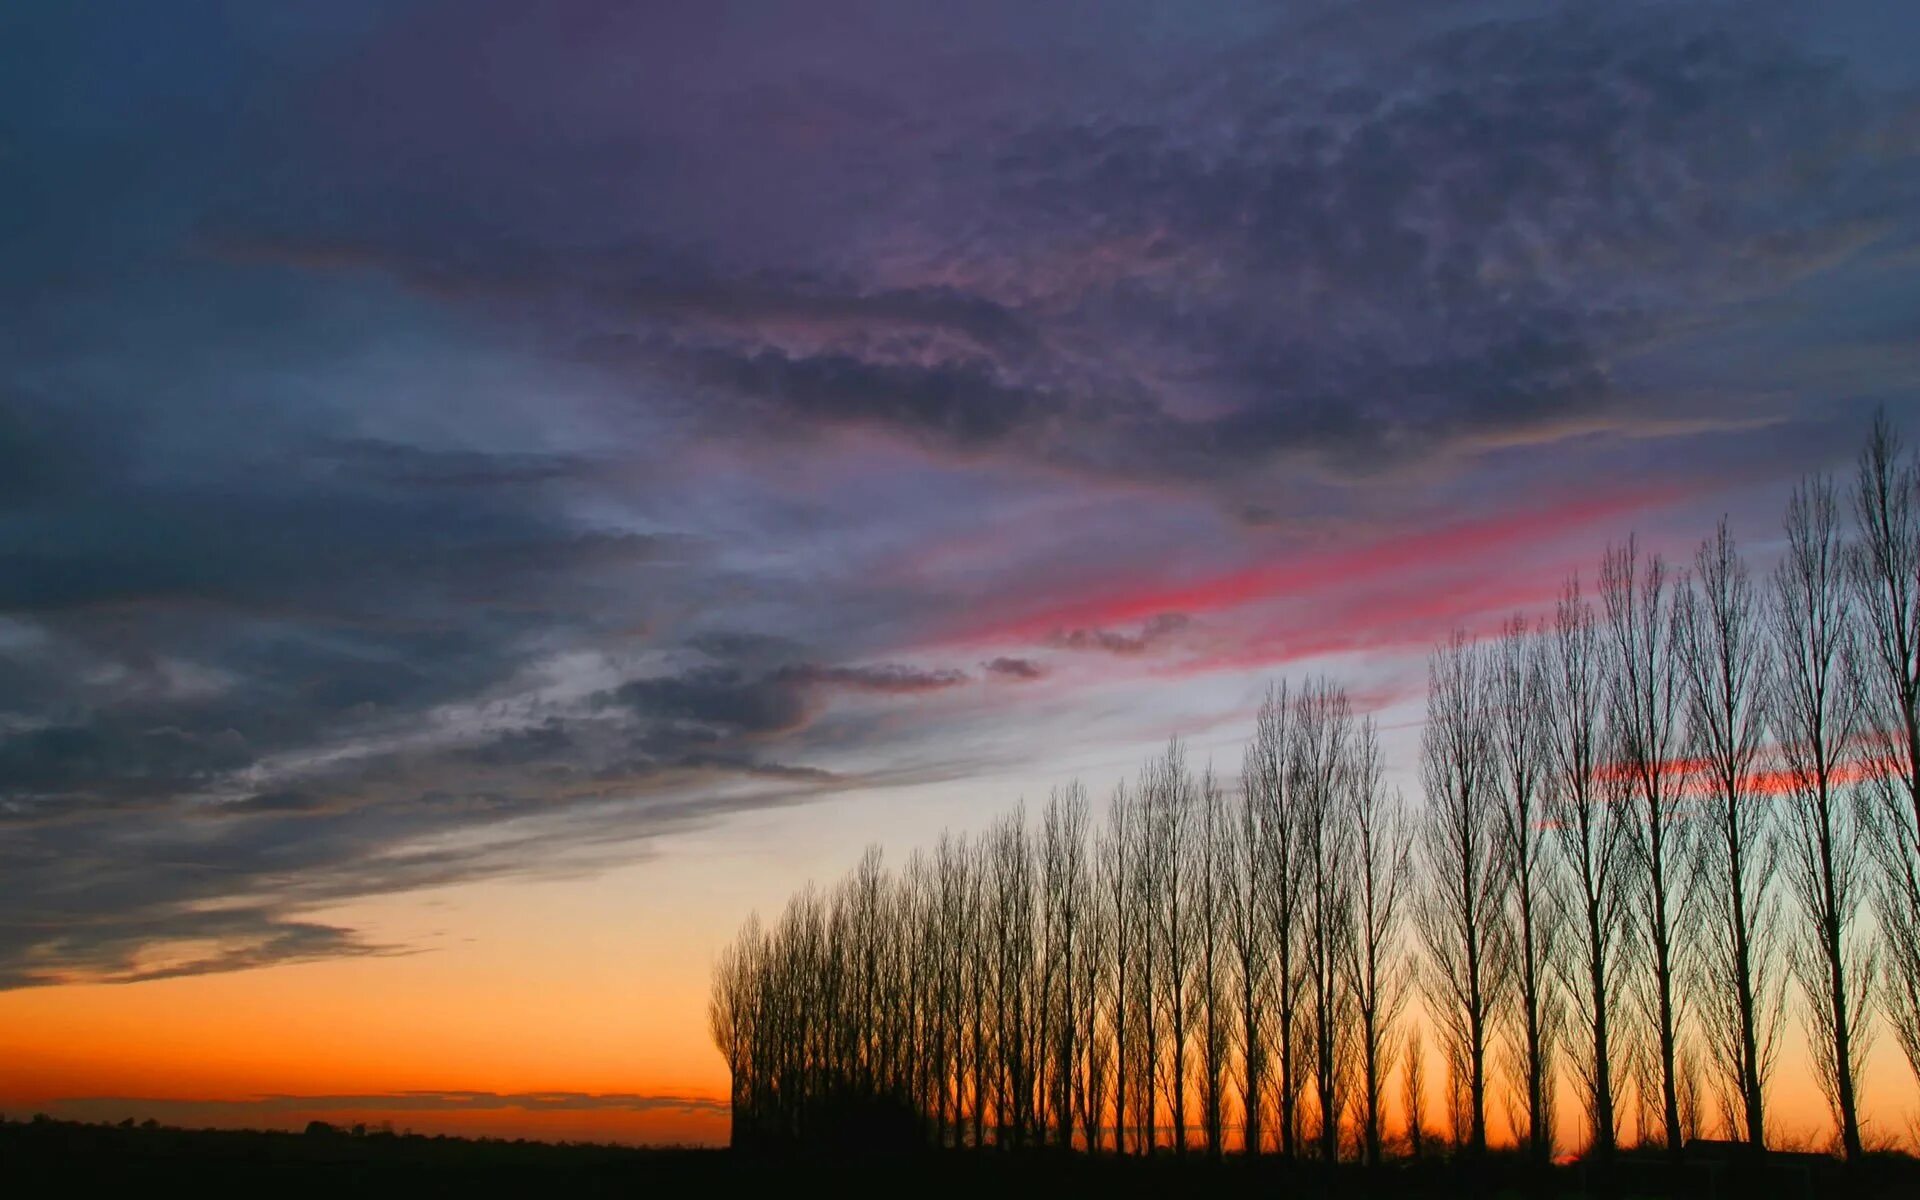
(1657, 827)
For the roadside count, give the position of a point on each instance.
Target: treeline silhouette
(1657, 828)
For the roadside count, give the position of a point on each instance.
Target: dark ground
(45, 1158)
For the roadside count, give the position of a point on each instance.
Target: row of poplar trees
(1658, 828)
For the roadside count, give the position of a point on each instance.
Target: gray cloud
(1153, 631)
(1426, 246)
(888, 678)
(1018, 670)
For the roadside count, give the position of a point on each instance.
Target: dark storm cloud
(412, 474)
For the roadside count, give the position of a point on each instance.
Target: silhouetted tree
(1461, 916)
(1647, 720)
(1886, 578)
(1382, 850)
(1213, 885)
(1275, 772)
(1063, 878)
(1323, 734)
(1818, 714)
(1252, 948)
(1521, 731)
(1413, 1081)
(1122, 917)
(730, 1017)
(1587, 814)
(1726, 661)
(1010, 928)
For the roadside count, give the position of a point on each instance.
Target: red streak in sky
(1695, 776)
(1400, 554)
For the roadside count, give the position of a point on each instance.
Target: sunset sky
(492, 493)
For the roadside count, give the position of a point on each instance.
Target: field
(46, 1157)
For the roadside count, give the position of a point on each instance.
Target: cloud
(1111, 641)
(167, 943)
(885, 678)
(363, 537)
(1016, 670)
(957, 405)
(1401, 251)
(719, 697)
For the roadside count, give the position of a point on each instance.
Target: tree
(1647, 721)
(1886, 597)
(1518, 679)
(1323, 732)
(730, 1018)
(978, 987)
(1010, 926)
(1818, 714)
(1461, 917)
(1120, 916)
(1249, 933)
(1586, 811)
(1171, 849)
(952, 864)
(1213, 887)
(1063, 884)
(1096, 965)
(1413, 1079)
(1274, 768)
(1376, 966)
(1147, 878)
(1725, 658)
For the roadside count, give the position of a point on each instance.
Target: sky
(492, 494)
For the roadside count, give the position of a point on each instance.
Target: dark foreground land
(47, 1158)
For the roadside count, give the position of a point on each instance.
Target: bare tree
(1886, 577)
(1323, 732)
(1272, 760)
(1461, 917)
(1648, 723)
(978, 987)
(1818, 714)
(1173, 850)
(730, 1017)
(1521, 732)
(1096, 966)
(1213, 888)
(1063, 883)
(1725, 655)
(1413, 1080)
(1118, 890)
(1149, 882)
(951, 862)
(1252, 950)
(1587, 819)
(1382, 850)
(1010, 929)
